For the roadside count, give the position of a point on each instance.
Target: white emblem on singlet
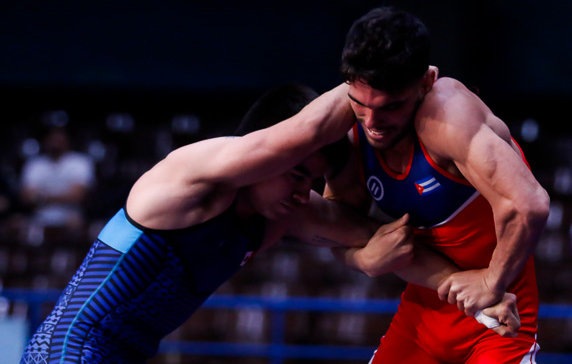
(375, 188)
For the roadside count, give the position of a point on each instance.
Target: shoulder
(451, 102)
(451, 115)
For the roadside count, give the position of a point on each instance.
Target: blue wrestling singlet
(429, 194)
(136, 285)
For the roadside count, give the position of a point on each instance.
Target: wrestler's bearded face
(386, 117)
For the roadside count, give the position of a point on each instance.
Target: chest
(429, 194)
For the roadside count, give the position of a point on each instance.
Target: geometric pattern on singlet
(118, 306)
(429, 197)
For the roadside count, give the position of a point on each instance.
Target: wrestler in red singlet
(456, 221)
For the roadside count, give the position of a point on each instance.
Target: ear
(429, 79)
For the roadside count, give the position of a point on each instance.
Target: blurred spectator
(55, 183)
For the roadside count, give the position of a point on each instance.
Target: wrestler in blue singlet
(136, 285)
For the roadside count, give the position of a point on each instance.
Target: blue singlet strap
(119, 233)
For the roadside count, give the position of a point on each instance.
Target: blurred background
(130, 81)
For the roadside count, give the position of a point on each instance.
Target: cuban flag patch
(427, 185)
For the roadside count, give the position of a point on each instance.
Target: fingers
(513, 324)
(470, 310)
(507, 315)
(505, 331)
(461, 305)
(470, 307)
(395, 235)
(452, 296)
(399, 237)
(394, 225)
(509, 299)
(444, 289)
(464, 303)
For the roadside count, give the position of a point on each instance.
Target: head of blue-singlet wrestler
(279, 196)
(385, 60)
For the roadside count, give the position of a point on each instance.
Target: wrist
(494, 282)
(365, 262)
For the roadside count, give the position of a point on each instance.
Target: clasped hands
(470, 291)
(392, 248)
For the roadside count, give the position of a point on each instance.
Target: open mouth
(377, 133)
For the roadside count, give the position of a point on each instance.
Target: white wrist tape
(488, 321)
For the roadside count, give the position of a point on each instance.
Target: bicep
(196, 169)
(226, 161)
(497, 171)
(466, 132)
(260, 155)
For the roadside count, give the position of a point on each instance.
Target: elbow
(538, 208)
(533, 210)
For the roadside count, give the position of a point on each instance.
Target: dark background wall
(180, 54)
(155, 60)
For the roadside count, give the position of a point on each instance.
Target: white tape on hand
(488, 321)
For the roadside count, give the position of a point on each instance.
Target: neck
(397, 157)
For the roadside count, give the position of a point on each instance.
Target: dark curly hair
(388, 49)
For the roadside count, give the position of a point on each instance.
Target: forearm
(373, 266)
(271, 151)
(518, 234)
(323, 121)
(427, 268)
(424, 267)
(328, 223)
(329, 117)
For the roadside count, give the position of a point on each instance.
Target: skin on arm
(390, 246)
(464, 131)
(328, 223)
(196, 182)
(430, 269)
(422, 266)
(391, 249)
(271, 151)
